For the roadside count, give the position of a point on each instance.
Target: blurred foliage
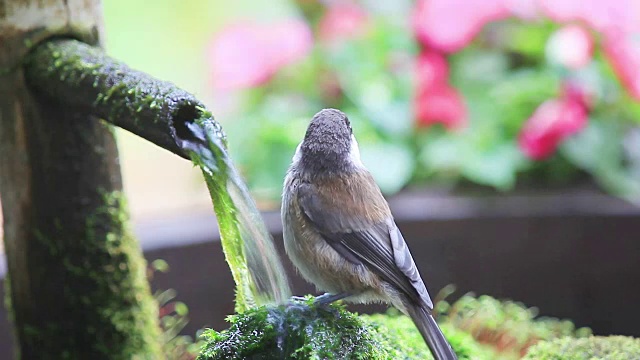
(508, 328)
(173, 318)
(406, 336)
(595, 347)
(503, 75)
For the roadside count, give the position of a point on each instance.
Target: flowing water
(255, 265)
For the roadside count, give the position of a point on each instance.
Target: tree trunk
(76, 276)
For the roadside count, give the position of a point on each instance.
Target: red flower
(432, 69)
(440, 104)
(449, 25)
(550, 124)
(247, 55)
(342, 21)
(436, 101)
(570, 46)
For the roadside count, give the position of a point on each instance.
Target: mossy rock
(594, 347)
(301, 330)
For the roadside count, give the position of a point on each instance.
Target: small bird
(340, 233)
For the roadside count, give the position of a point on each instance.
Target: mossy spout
(248, 246)
(84, 78)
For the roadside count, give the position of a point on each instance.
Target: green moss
(300, 330)
(125, 296)
(595, 347)
(107, 308)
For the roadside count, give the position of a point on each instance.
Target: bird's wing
(378, 245)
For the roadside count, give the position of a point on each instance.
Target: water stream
(249, 249)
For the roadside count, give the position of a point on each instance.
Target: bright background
(500, 94)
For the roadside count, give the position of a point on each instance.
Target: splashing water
(249, 250)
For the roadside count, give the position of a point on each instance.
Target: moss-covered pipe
(84, 77)
(76, 278)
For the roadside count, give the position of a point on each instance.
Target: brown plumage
(339, 231)
(324, 266)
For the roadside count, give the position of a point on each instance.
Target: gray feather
(405, 263)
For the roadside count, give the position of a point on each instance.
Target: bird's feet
(299, 298)
(327, 298)
(322, 301)
(298, 303)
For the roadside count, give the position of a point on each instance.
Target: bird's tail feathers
(431, 333)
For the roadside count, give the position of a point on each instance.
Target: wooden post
(76, 277)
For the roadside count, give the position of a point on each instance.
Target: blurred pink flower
(436, 101)
(449, 25)
(624, 54)
(550, 124)
(248, 54)
(237, 56)
(289, 42)
(606, 16)
(440, 104)
(571, 46)
(432, 70)
(342, 21)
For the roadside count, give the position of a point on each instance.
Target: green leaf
(181, 308)
(478, 67)
(598, 150)
(529, 39)
(390, 164)
(442, 155)
(160, 265)
(496, 167)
